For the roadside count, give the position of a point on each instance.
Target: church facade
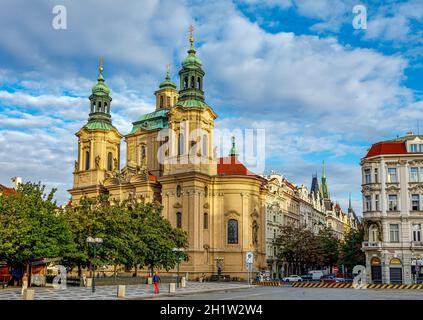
(170, 159)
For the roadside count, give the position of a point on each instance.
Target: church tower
(167, 95)
(191, 121)
(98, 144)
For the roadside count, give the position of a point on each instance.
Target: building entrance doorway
(376, 270)
(395, 271)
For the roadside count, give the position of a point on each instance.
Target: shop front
(417, 270)
(376, 270)
(395, 271)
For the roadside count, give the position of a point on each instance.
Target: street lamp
(94, 242)
(179, 258)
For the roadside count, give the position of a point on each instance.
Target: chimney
(16, 181)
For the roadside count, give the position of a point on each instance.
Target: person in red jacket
(156, 280)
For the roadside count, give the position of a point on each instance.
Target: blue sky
(320, 88)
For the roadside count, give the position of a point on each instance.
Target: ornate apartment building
(287, 204)
(392, 188)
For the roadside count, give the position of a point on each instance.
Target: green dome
(167, 83)
(191, 60)
(100, 88)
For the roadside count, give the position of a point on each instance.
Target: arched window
(199, 83)
(87, 160)
(181, 144)
(206, 220)
(232, 231)
(186, 82)
(178, 191)
(110, 161)
(192, 82)
(105, 107)
(161, 101)
(143, 153)
(206, 191)
(373, 233)
(179, 220)
(205, 146)
(99, 106)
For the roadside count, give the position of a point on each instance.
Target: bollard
(121, 291)
(172, 287)
(28, 294)
(89, 282)
(150, 280)
(183, 282)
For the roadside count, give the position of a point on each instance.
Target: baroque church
(170, 159)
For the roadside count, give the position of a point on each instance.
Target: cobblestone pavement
(142, 291)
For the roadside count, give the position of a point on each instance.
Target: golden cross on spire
(191, 37)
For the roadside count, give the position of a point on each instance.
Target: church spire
(233, 152)
(191, 76)
(100, 102)
(324, 190)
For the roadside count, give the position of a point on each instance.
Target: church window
(110, 161)
(192, 82)
(87, 160)
(143, 153)
(181, 144)
(206, 221)
(205, 145)
(179, 220)
(161, 101)
(105, 107)
(186, 82)
(232, 231)
(199, 83)
(178, 191)
(99, 106)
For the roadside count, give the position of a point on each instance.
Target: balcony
(367, 245)
(372, 214)
(417, 244)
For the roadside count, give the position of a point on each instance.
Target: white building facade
(392, 189)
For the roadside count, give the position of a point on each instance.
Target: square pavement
(140, 291)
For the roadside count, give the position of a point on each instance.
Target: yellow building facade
(170, 159)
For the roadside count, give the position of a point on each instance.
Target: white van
(316, 274)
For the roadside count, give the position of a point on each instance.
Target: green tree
(299, 247)
(32, 226)
(329, 245)
(351, 253)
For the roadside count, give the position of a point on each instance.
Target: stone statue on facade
(97, 162)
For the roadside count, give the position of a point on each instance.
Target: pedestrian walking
(156, 280)
(84, 279)
(24, 282)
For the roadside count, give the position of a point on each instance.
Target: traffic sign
(249, 257)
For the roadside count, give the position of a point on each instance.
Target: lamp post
(178, 257)
(94, 242)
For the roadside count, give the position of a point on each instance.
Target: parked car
(307, 277)
(316, 274)
(293, 278)
(329, 279)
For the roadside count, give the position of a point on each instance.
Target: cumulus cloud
(315, 96)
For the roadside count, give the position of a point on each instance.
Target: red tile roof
(231, 166)
(387, 147)
(6, 190)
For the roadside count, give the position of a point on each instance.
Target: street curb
(349, 285)
(166, 295)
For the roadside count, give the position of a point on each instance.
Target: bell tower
(98, 144)
(167, 95)
(191, 121)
